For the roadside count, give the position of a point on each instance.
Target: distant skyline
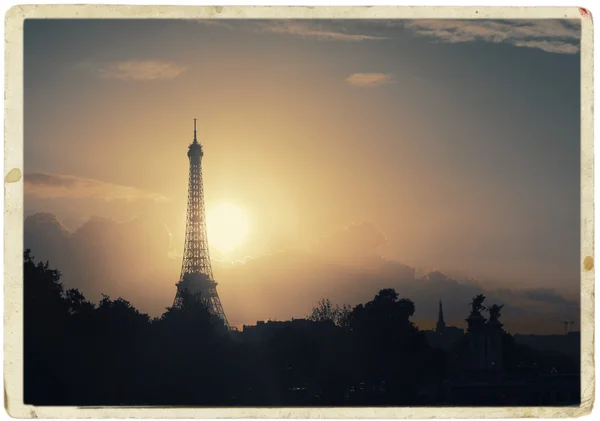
(458, 142)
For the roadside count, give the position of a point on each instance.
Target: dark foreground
(78, 353)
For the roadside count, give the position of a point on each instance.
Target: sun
(227, 225)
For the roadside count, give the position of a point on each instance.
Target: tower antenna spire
(195, 140)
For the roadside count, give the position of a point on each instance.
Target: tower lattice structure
(196, 271)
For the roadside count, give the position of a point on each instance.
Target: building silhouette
(482, 377)
(262, 330)
(443, 337)
(484, 352)
(567, 344)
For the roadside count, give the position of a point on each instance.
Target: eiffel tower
(196, 271)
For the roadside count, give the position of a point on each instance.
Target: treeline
(79, 353)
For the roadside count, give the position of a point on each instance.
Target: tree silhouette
(79, 353)
(326, 312)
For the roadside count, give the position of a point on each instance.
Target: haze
(440, 158)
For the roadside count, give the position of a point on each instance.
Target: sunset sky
(458, 142)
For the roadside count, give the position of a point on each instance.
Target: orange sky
(463, 154)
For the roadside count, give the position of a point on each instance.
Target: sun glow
(227, 226)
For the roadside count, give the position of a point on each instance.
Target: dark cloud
(51, 180)
(544, 295)
(438, 277)
(550, 35)
(50, 237)
(104, 256)
(51, 186)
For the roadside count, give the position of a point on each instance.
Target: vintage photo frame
(13, 190)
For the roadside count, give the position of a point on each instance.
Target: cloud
(550, 46)
(131, 260)
(365, 80)
(103, 256)
(213, 22)
(53, 186)
(554, 36)
(551, 35)
(323, 30)
(140, 70)
(544, 295)
(353, 241)
(310, 29)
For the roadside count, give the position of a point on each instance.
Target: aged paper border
(13, 211)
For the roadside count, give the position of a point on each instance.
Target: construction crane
(567, 323)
